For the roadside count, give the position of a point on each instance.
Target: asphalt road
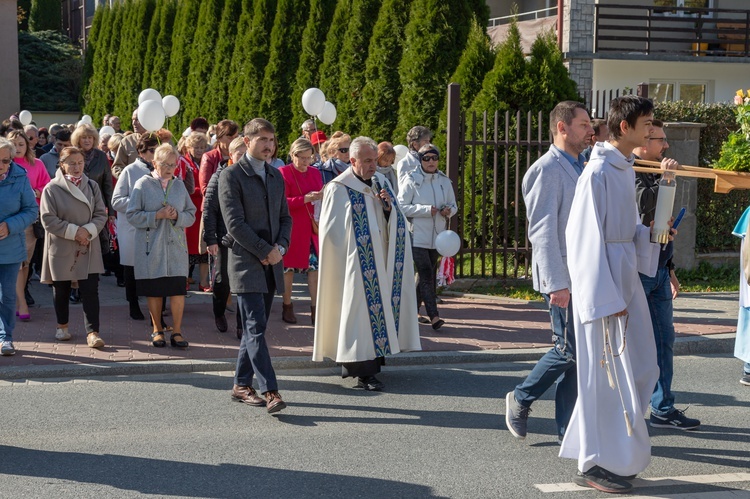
(437, 431)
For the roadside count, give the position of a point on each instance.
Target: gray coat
(160, 245)
(257, 217)
(548, 189)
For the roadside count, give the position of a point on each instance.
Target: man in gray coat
(548, 189)
(253, 203)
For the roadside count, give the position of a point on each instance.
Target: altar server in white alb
(367, 305)
(616, 364)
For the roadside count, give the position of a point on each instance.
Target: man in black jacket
(256, 214)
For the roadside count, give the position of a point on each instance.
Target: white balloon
(86, 119)
(328, 114)
(313, 101)
(148, 94)
(448, 243)
(151, 115)
(24, 117)
(80, 123)
(401, 152)
(187, 132)
(106, 130)
(171, 105)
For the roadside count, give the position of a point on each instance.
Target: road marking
(659, 482)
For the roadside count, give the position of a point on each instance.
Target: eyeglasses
(5, 161)
(303, 158)
(167, 165)
(429, 158)
(343, 150)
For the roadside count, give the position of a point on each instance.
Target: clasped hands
(445, 212)
(168, 211)
(273, 257)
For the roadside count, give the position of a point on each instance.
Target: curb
(701, 345)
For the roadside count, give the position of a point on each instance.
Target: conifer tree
(475, 63)
(218, 84)
(45, 15)
(378, 111)
(183, 34)
(254, 50)
(237, 64)
(105, 93)
(97, 46)
(130, 57)
(153, 34)
(435, 38)
(311, 58)
(161, 59)
(352, 62)
(286, 41)
(330, 71)
(202, 59)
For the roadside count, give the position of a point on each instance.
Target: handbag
(312, 220)
(38, 229)
(103, 234)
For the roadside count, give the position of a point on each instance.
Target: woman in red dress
(304, 189)
(192, 150)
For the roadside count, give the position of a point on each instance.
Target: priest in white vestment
(367, 305)
(617, 368)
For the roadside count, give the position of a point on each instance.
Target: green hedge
(49, 71)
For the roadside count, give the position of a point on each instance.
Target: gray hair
(360, 142)
(30, 127)
(418, 133)
(7, 144)
(308, 125)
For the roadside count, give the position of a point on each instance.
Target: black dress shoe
(27, 295)
(75, 296)
(369, 383)
(221, 324)
(120, 283)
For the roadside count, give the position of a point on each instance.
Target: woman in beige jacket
(73, 213)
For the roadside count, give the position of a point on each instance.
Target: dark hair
(597, 125)
(226, 127)
(564, 111)
(627, 108)
(147, 141)
(658, 123)
(8, 125)
(63, 135)
(255, 126)
(199, 122)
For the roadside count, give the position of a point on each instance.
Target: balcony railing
(523, 16)
(649, 29)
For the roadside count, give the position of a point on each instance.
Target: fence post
(452, 144)
(642, 90)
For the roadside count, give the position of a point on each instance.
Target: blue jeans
(8, 276)
(659, 297)
(558, 363)
(253, 357)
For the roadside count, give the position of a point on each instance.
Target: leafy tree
(45, 15)
(153, 34)
(311, 58)
(286, 41)
(435, 38)
(378, 111)
(23, 7)
(218, 85)
(202, 59)
(237, 63)
(183, 34)
(160, 64)
(59, 89)
(352, 62)
(97, 45)
(330, 71)
(254, 55)
(475, 63)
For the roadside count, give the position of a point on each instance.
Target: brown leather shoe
(274, 402)
(248, 395)
(287, 313)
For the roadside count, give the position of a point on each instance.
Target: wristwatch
(282, 249)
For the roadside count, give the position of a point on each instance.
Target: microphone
(378, 188)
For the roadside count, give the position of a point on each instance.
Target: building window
(688, 91)
(663, 6)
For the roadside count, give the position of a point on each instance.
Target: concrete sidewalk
(478, 328)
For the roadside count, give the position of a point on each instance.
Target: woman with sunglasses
(428, 201)
(141, 167)
(18, 210)
(73, 213)
(337, 150)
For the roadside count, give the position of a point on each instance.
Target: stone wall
(578, 41)
(10, 97)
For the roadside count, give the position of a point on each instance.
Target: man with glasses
(417, 137)
(660, 289)
(548, 189)
(128, 152)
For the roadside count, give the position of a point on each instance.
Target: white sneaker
(62, 334)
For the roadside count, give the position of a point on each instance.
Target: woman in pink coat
(304, 189)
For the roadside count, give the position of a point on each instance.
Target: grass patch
(520, 290)
(707, 278)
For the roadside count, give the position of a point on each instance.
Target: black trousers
(128, 272)
(426, 262)
(89, 289)
(362, 369)
(221, 290)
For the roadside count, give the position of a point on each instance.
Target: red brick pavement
(471, 324)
